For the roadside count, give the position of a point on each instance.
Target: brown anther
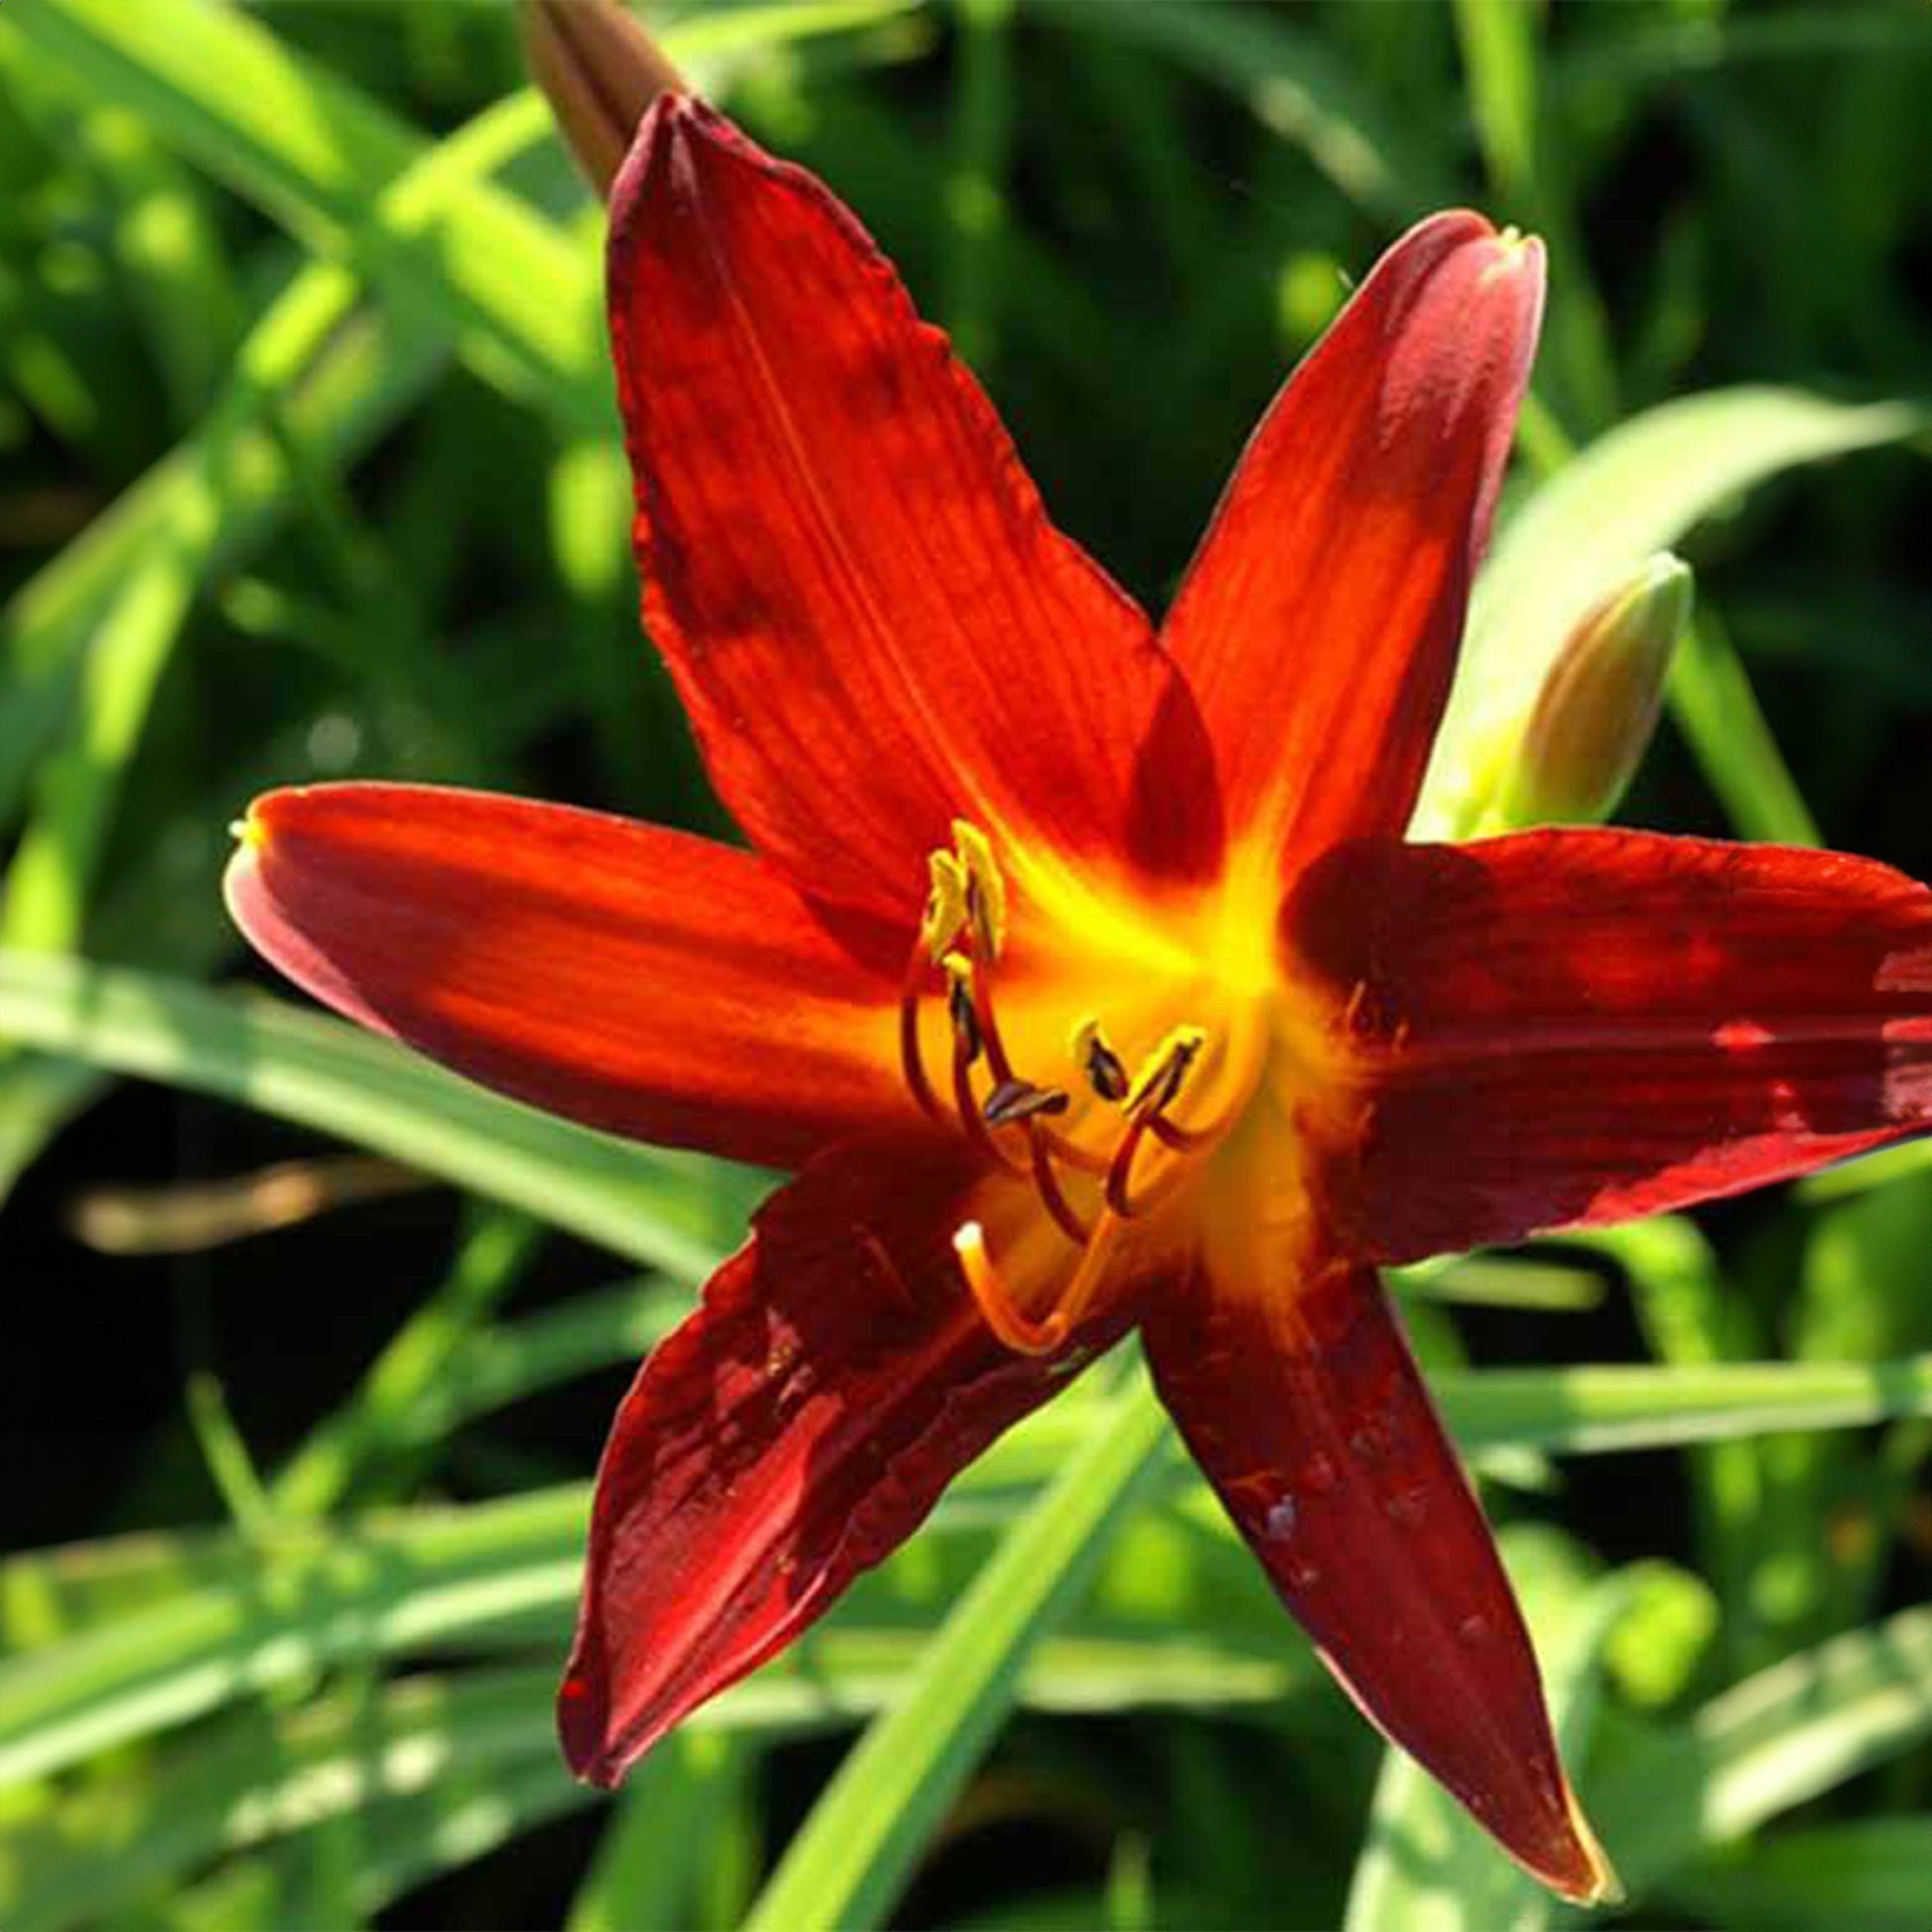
(962, 1009)
(1164, 1073)
(1094, 1054)
(1015, 1100)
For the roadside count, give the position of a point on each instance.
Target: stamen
(1163, 1073)
(970, 1119)
(1015, 1100)
(1040, 1142)
(946, 912)
(1120, 1171)
(910, 1062)
(986, 891)
(989, 1026)
(960, 1008)
(1094, 1054)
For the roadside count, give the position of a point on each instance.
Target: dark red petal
(1306, 1411)
(871, 621)
(793, 1432)
(1579, 1027)
(1318, 625)
(635, 979)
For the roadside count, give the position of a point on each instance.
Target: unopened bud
(1598, 707)
(601, 72)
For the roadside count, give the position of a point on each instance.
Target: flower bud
(1598, 706)
(600, 70)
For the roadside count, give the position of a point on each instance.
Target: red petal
(1318, 624)
(1301, 1403)
(871, 623)
(789, 1435)
(639, 980)
(1582, 1026)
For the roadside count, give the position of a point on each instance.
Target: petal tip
(583, 1729)
(1586, 1875)
(1512, 252)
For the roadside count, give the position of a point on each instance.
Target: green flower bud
(1598, 710)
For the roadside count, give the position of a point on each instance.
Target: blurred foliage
(309, 467)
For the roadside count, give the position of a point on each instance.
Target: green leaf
(1774, 1742)
(660, 1828)
(1500, 52)
(1694, 1320)
(78, 785)
(1868, 1873)
(846, 1866)
(263, 1774)
(1293, 82)
(1871, 1171)
(317, 153)
(667, 1210)
(335, 383)
(1589, 1410)
(1636, 491)
(1715, 709)
(411, 1374)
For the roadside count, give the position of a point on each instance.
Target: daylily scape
(1081, 971)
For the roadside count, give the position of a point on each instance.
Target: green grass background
(309, 469)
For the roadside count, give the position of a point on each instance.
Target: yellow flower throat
(1107, 1143)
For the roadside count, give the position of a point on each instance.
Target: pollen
(945, 907)
(986, 889)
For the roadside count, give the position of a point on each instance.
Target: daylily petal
(1306, 1411)
(639, 980)
(1320, 620)
(789, 1435)
(871, 623)
(1581, 1027)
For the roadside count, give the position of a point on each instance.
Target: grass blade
(664, 1209)
(848, 1864)
(1774, 1742)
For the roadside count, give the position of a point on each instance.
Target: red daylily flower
(1083, 973)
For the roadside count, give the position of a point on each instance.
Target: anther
(1164, 1071)
(1017, 1100)
(962, 1008)
(947, 912)
(986, 891)
(1094, 1054)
